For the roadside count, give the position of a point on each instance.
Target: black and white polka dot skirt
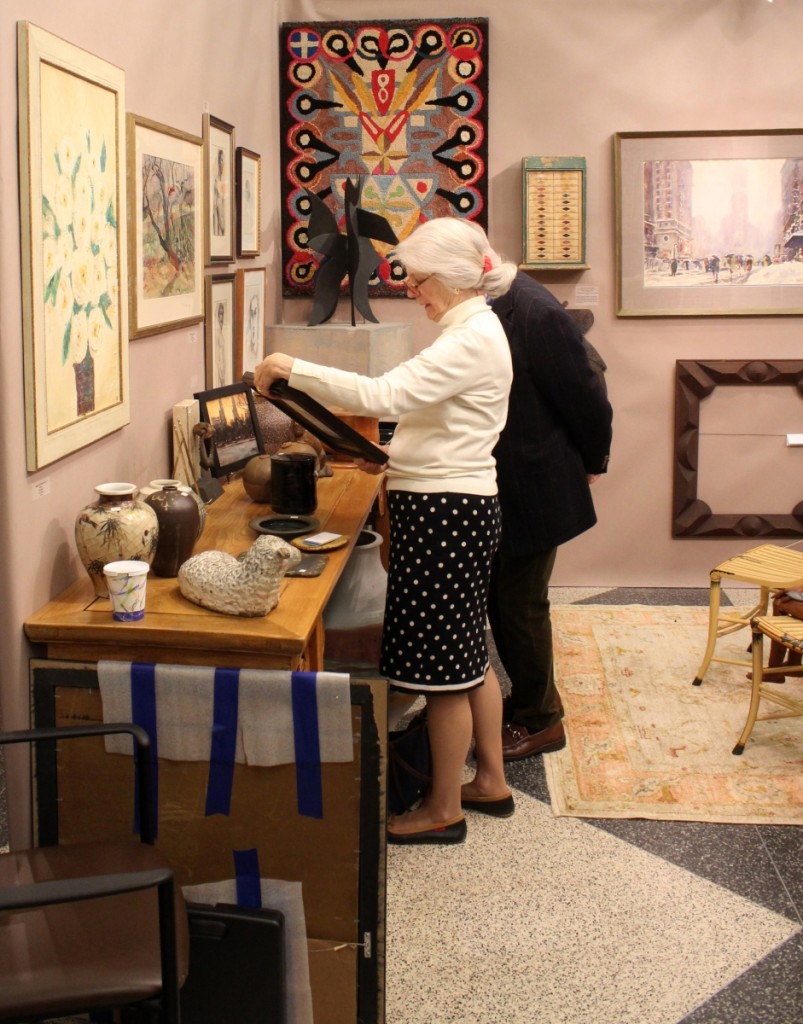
(439, 564)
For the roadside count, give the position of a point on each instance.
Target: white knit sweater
(450, 401)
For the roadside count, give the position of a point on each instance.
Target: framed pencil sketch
(250, 334)
(231, 413)
(219, 334)
(218, 141)
(709, 223)
(249, 192)
(73, 241)
(165, 227)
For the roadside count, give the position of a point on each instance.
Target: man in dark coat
(555, 444)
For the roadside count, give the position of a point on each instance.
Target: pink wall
(565, 76)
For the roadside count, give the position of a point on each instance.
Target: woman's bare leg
(486, 711)
(449, 727)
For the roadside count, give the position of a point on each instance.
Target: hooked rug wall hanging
(399, 106)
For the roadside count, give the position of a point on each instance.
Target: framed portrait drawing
(249, 192)
(73, 242)
(231, 413)
(221, 318)
(709, 223)
(165, 227)
(250, 333)
(218, 142)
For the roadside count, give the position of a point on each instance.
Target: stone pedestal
(369, 349)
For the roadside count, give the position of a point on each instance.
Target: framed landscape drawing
(709, 223)
(250, 335)
(218, 141)
(220, 324)
(73, 241)
(249, 192)
(165, 228)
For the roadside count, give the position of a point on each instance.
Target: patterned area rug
(644, 743)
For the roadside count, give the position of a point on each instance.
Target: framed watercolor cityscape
(166, 227)
(401, 105)
(709, 223)
(73, 228)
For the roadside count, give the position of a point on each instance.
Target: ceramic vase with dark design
(179, 525)
(116, 527)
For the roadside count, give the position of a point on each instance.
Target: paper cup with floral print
(127, 581)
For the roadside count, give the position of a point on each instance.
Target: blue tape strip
(224, 741)
(246, 872)
(308, 746)
(143, 712)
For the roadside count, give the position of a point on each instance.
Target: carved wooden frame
(695, 380)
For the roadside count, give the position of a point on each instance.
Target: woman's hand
(373, 468)
(276, 366)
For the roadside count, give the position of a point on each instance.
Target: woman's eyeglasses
(414, 286)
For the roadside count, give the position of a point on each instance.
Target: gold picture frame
(165, 227)
(71, 108)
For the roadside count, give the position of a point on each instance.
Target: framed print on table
(231, 412)
(73, 245)
(220, 324)
(709, 223)
(165, 228)
(218, 139)
(249, 344)
(249, 191)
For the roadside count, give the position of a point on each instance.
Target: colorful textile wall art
(401, 105)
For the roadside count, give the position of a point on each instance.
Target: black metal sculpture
(351, 253)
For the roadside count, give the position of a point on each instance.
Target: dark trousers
(518, 611)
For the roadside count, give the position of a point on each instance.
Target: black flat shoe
(449, 832)
(502, 808)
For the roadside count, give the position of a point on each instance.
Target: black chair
(92, 926)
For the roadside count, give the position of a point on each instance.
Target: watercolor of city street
(722, 222)
(709, 223)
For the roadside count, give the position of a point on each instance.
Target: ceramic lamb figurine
(247, 585)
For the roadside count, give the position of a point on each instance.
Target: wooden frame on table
(709, 223)
(249, 345)
(221, 320)
(166, 227)
(73, 245)
(693, 517)
(232, 413)
(249, 200)
(218, 141)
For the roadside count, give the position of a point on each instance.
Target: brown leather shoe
(517, 742)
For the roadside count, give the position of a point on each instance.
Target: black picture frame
(231, 411)
(320, 421)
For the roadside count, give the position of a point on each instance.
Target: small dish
(287, 527)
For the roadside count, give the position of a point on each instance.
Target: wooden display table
(339, 858)
(79, 625)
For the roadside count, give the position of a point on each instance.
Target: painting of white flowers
(72, 203)
(165, 227)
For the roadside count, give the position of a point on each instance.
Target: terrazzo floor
(545, 920)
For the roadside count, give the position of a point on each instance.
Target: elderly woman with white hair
(450, 401)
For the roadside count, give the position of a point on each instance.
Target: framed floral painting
(218, 140)
(166, 227)
(73, 228)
